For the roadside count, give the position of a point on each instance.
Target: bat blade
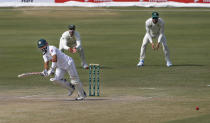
(29, 74)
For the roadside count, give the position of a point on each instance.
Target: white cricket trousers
(146, 41)
(71, 70)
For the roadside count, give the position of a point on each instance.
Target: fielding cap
(155, 15)
(72, 27)
(41, 42)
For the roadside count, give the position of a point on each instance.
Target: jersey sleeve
(65, 34)
(45, 58)
(147, 26)
(64, 41)
(78, 40)
(162, 24)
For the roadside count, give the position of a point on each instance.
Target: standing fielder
(62, 64)
(70, 40)
(154, 30)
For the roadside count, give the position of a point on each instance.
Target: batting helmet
(72, 27)
(155, 15)
(41, 42)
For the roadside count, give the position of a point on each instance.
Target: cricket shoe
(71, 90)
(79, 98)
(168, 64)
(141, 63)
(85, 66)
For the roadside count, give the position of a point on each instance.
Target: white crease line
(148, 88)
(28, 96)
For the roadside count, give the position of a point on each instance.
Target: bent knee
(143, 46)
(75, 81)
(56, 81)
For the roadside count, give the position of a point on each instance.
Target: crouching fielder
(61, 64)
(154, 30)
(70, 40)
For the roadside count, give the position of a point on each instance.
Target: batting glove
(44, 73)
(51, 71)
(73, 50)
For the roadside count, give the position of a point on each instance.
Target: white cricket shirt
(70, 41)
(62, 59)
(155, 30)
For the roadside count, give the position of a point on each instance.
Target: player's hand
(44, 73)
(153, 46)
(157, 46)
(51, 71)
(73, 50)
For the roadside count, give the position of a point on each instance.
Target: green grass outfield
(111, 37)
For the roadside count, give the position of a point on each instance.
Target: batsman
(154, 30)
(61, 64)
(70, 40)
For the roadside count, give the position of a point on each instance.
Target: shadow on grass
(188, 65)
(89, 99)
(101, 67)
(177, 65)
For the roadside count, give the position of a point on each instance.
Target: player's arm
(51, 71)
(78, 43)
(149, 36)
(78, 40)
(161, 35)
(46, 67)
(64, 40)
(66, 47)
(54, 62)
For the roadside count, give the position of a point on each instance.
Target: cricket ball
(197, 108)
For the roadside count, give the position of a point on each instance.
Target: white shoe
(81, 97)
(168, 64)
(141, 63)
(85, 66)
(71, 91)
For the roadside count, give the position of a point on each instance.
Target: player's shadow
(101, 67)
(179, 65)
(96, 99)
(106, 67)
(188, 65)
(154, 65)
(88, 99)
